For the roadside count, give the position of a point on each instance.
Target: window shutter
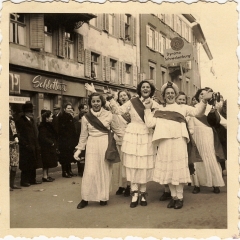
(117, 73)
(122, 27)
(36, 31)
(135, 76)
(107, 69)
(160, 42)
(120, 73)
(100, 21)
(105, 22)
(104, 68)
(80, 48)
(162, 45)
(61, 42)
(156, 40)
(147, 34)
(123, 73)
(116, 25)
(87, 65)
(133, 38)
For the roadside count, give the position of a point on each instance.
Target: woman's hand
(76, 155)
(148, 104)
(89, 87)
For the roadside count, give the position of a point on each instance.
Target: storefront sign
(21, 100)
(14, 83)
(48, 84)
(180, 51)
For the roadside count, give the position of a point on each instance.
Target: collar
(143, 99)
(96, 114)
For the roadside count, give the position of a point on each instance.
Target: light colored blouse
(88, 130)
(171, 129)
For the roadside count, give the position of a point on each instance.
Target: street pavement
(54, 205)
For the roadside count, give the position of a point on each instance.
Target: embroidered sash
(138, 106)
(126, 117)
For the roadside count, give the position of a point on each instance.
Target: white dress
(138, 151)
(97, 173)
(171, 137)
(209, 171)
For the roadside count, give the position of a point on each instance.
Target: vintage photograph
(119, 120)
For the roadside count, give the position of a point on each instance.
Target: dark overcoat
(67, 138)
(48, 141)
(29, 150)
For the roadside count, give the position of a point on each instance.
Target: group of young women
(152, 141)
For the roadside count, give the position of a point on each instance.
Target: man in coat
(56, 113)
(29, 151)
(83, 108)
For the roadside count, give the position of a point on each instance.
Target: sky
(223, 45)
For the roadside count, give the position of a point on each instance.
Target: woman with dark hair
(181, 98)
(67, 139)
(171, 137)
(94, 137)
(120, 122)
(207, 173)
(138, 151)
(48, 141)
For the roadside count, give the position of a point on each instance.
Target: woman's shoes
(51, 178)
(66, 175)
(171, 204)
(103, 203)
(127, 191)
(178, 204)
(15, 187)
(46, 180)
(82, 204)
(196, 190)
(120, 191)
(165, 196)
(143, 201)
(133, 204)
(216, 190)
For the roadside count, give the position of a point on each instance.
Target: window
(127, 21)
(69, 47)
(113, 70)
(152, 71)
(163, 43)
(48, 38)
(95, 65)
(17, 28)
(152, 38)
(128, 69)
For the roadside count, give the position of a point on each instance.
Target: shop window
(113, 70)
(95, 58)
(69, 46)
(17, 28)
(48, 38)
(128, 70)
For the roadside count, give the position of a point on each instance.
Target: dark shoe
(165, 196)
(178, 204)
(35, 182)
(46, 180)
(127, 191)
(196, 190)
(65, 175)
(216, 190)
(69, 170)
(16, 187)
(103, 203)
(25, 184)
(171, 204)
(143, 197)
(120, 191)
(134, 204)
(51, 178)
(72, 174)
(82, 204)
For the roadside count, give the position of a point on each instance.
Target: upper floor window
(152, 71)
(111, 21)
(48, 38)
(17, 28)
(127, 21)
(69, 45)
(113, 70)
(95, 59)
(128, 70)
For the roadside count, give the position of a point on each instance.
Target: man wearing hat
(29, 151)
(56, 112)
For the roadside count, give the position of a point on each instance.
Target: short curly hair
(128, 94)
(151, 86)
(95, 94)
(199, 92)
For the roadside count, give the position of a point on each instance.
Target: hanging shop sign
(17, 99)
(180, 51)
(14, 83)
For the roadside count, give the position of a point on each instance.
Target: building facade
(156, 33)
(49, 63)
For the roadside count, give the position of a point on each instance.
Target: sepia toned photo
(121, 122)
